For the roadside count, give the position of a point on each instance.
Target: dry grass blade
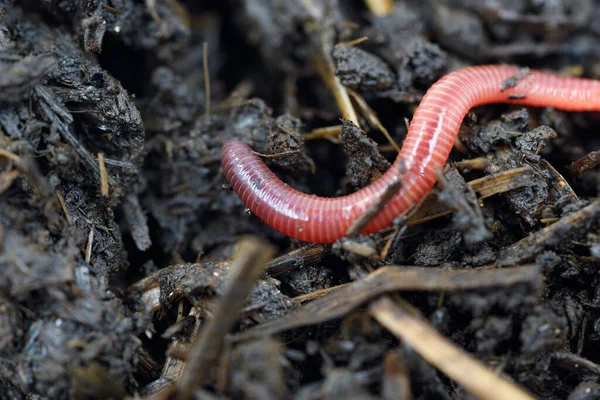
(479, 380)
(9, 155)
(328, 132)
(346, 298)
(326, 70)
(370, 114)
(247, 266)
(89, 245)
(103, 175)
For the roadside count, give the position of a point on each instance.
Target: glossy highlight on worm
(428, 143)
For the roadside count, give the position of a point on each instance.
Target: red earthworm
(428, 143)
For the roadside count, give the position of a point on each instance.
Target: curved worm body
(426, 148)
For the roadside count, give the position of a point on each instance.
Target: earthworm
(426, 148)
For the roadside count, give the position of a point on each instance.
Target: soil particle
(365, 163)
(360, 70)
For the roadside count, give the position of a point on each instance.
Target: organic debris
(126, 269)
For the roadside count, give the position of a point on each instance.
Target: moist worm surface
(428, 143)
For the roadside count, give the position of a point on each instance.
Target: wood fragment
(298, 258)
(475, 164)
(88, 247)
(103, 175)
(342, 300)
(502, 182)
(487, 186)
(178, 352)
(248, 264)
(574, 363)
(585, 163)
(569, 227)
(559, 182)
(405, 322)
(63, 205)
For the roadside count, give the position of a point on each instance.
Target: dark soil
(117, 229)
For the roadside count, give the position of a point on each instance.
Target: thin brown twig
(361, 222)
(335, 302)
(63, 205)
(247, 266)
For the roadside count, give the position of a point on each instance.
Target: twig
(63, 205)
(361, 222)
(9, 155)
(573, 362)
(585, 163)
(248, 264)
(400, 319)
(342, 300)
(298, 258)
(569, 227)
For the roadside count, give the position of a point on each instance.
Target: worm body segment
(428, 143)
